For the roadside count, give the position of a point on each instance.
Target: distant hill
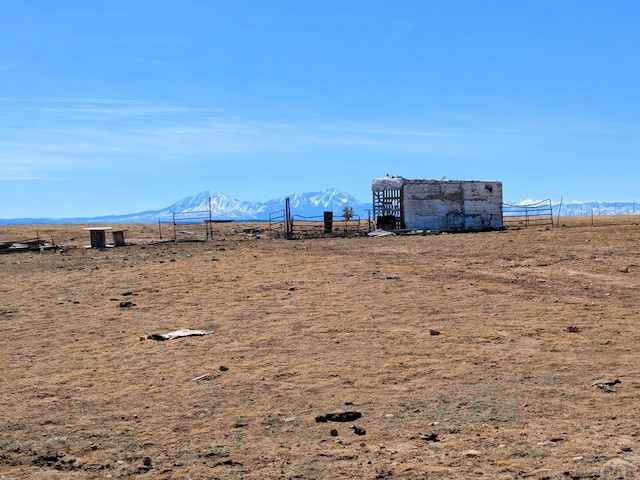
(224, 207)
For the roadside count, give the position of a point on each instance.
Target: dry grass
(306, 327)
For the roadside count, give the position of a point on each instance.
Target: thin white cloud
(46, 138)
(70, 107)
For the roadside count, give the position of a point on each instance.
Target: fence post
(175, 233)
(328, 222)
(288, 220)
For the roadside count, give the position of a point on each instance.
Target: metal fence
(299, 226)
(318, 226)
(539, 214)
(196, 225)
(277, 224)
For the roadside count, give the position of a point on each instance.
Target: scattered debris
(605, 385)
(239, 425)
(338, 416)
(471, 453)
(358, 430)
(228, 463)
(200, 377)
(183, 332)
(380, 233)
(250, 230)
(432, 437)
(31, 245)
(126, 304)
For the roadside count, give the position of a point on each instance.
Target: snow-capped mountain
(224, 207)
(314, 204)
(311, 204)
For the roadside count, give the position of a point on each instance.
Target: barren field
(498, 355)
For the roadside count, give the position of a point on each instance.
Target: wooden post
(559, 212)
(288, 220)
(175, 233)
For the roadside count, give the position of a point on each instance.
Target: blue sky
(129, 105)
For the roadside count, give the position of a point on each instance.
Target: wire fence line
(545, 213)
(198, 225)
(538, 214)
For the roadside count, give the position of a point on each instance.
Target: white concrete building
(440, 205)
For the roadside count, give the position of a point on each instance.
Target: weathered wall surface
(433, 205)
(387, 182)
(482, 205)
(449, 206)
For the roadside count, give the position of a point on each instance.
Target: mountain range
(224, 207)
(311, 204)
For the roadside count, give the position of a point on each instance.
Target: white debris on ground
(182, 332)
(380, 233)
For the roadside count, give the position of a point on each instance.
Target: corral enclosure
(440, 205)
(480, 355)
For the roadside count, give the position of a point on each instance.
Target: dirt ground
(467, 356)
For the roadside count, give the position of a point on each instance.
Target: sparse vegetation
(307, 327)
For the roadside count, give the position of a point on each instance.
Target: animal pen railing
(192, 225)
(539, 214)
(278, 225)
(297, 226)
